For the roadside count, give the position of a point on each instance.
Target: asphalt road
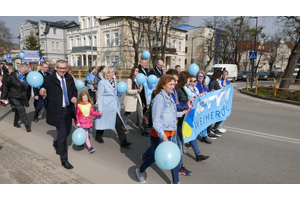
(261, 145)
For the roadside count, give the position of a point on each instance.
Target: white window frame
(174, 44)
(107, 25)
(107, 60)
(77, 44)
(116, 23)
(57, 47)
(83, 24)
(88, 22)
(107, 40)
(53, 45)
(95, 21)
(95, 41)
(54, 31)
(116, 39)
(116, 56)
(173, 63)
(71, 43)
(180, 46)
(180, 61)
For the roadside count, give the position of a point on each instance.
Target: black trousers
(214, 127)
(20, 113)
(39, 105)
(63, 131)
(119, 128)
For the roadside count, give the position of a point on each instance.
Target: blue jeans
(195, 147)
(150, 159)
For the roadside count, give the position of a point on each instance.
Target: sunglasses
(193, 81)
(201, 76)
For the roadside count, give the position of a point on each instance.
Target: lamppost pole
(252, 68)
(192, 60)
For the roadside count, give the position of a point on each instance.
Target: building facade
(52, 37)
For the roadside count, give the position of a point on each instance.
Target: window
(179, 61)
(117, 23)
(116, 59)
(107, 25)
(90, 41)
(180, 34)
(77, 42)
(71, 44)
(174, 33)
(95, 21)
(185, 49)
(107, 60)
(174, 44)
(42, 45)
(95, 41)
(83, 41)
(54, 31)
(154, 26)
(185, 61)
(133, 24)
(173, 63)
(179, 46)
(53, 45)
(116, 39)
(186, 37)
(57, 46)
(88, 23)
(143, 41)
(71, 31)
(83, 23)
(107, 40)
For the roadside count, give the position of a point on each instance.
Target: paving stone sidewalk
(20, 165)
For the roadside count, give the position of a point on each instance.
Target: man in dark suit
(144, 70)
(38, 99)
(3, 69)
(61, 92)
(158, 70)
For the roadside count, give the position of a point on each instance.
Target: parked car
(232, 70)
(243, 75)
(271, 74)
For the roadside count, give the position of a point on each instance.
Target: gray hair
(106, 70)
(22, 68)
(61, 62)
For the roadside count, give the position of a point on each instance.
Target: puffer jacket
(85, 122)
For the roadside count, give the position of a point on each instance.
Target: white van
(231, 68)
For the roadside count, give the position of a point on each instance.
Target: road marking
(263, 135)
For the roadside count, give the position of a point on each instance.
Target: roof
(249, 45)
(290, 45)
(6, 50)
(185, 27)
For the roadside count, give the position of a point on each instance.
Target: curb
(270, 99)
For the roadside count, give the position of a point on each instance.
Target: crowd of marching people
(173, 96)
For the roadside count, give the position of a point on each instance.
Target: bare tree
(292, 28)
(5, 36)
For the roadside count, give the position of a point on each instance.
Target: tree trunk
(295, 54)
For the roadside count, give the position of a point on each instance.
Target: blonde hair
(106, 70)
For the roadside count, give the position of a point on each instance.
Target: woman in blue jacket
(89, 81)
(164, 116)
(109, 108)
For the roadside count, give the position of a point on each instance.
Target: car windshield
(263, 73)
(244, 73)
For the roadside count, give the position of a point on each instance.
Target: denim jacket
(164, 113)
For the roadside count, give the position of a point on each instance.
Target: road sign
(42, 59)
(8, 57)
(252, 55)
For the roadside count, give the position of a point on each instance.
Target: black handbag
(147, 119)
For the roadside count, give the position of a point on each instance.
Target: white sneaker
(141, 176)
(222, 130)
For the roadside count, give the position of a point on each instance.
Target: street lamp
(252, 68)
(192, 60)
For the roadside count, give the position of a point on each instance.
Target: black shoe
(201, 157)
(145, 133)
(204, 139)
(28, 129)
(184, 171)
(17, 125)
(67, 165)
(99, 140)
(35, 119)
(125, 130)
(216, 131)
(13, 110)
(125, 144)
(56, 149)
(189, 145)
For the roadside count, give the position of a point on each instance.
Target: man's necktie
(65, 91)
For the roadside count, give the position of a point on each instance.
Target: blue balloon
(193, 69)
(152, 79)
(167, 155)
(21, 55)
(35, 79)
(79, 136)
(207, 80)
(146, 54)
(140, 78)
(121, 87)
(79, 84)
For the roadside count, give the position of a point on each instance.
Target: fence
(275, 87)
(81, 74)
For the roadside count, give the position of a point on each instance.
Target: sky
(14, 22)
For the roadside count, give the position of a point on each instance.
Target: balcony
(168, 50)
(82, 49)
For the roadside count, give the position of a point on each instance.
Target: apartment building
(51, 35)
(107, 40)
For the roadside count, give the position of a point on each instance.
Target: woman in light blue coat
(109, 108)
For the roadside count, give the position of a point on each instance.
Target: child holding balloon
(84, 113)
